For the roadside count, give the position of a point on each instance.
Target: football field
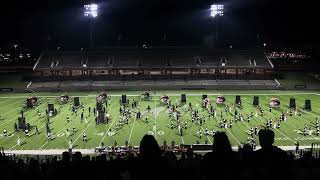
(158, 121)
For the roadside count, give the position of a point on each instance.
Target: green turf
(12, 81)
(290, 79)
(10, 106)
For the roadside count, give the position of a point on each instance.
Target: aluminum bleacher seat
(75, 84)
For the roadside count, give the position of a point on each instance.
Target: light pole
(15, 51)
(82, 55)
(216, 11)
(59, 55)
(91, 11)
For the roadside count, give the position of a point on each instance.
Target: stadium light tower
(91, 12)
(216, 11)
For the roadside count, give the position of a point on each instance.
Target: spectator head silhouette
(221, 142)
(65, 156)
(266, 138)
(190, 153)
(77, 157)
(221, 151)
(149, 148)
(247, 152)
(247, 148)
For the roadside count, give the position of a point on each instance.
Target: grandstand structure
(156, 67)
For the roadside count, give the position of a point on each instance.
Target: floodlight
(216, 9)
(90, 10)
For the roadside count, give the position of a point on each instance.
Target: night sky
(45, 24)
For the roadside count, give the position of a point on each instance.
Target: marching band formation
(226, 117)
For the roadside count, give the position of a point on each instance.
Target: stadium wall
(177, 87)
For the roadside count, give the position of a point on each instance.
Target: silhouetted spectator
(65, 156)
(190, 154)
(150, 153)
(221, 148)
(221, 154)
(149, 148)
(268, 152)
(247, 152)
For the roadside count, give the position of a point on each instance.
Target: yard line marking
(302, 109)
(11, 109)
(199, 99)
(14, 109)
(88, 125)
(155, 118)
(43, 145)
(304, 99)
(55, 133)
(24, 139)
(241, 122)
(294, 126)
(228, 99)
(275, 129)
(307, 112)
(33, 119)
(234, 137)
(10, 104)
(298, 97)
(182, 139)
(281, 133)
(108, 129)
(105, 134)
(241, 112)
(3, 102)
(227, 130)
(13, 118)
(293, 119)
(60, 129)
(134, 121)
(206, 136)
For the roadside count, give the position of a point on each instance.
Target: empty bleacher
(152, 58)
(155, 67)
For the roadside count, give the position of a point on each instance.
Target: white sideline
(92, 151)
